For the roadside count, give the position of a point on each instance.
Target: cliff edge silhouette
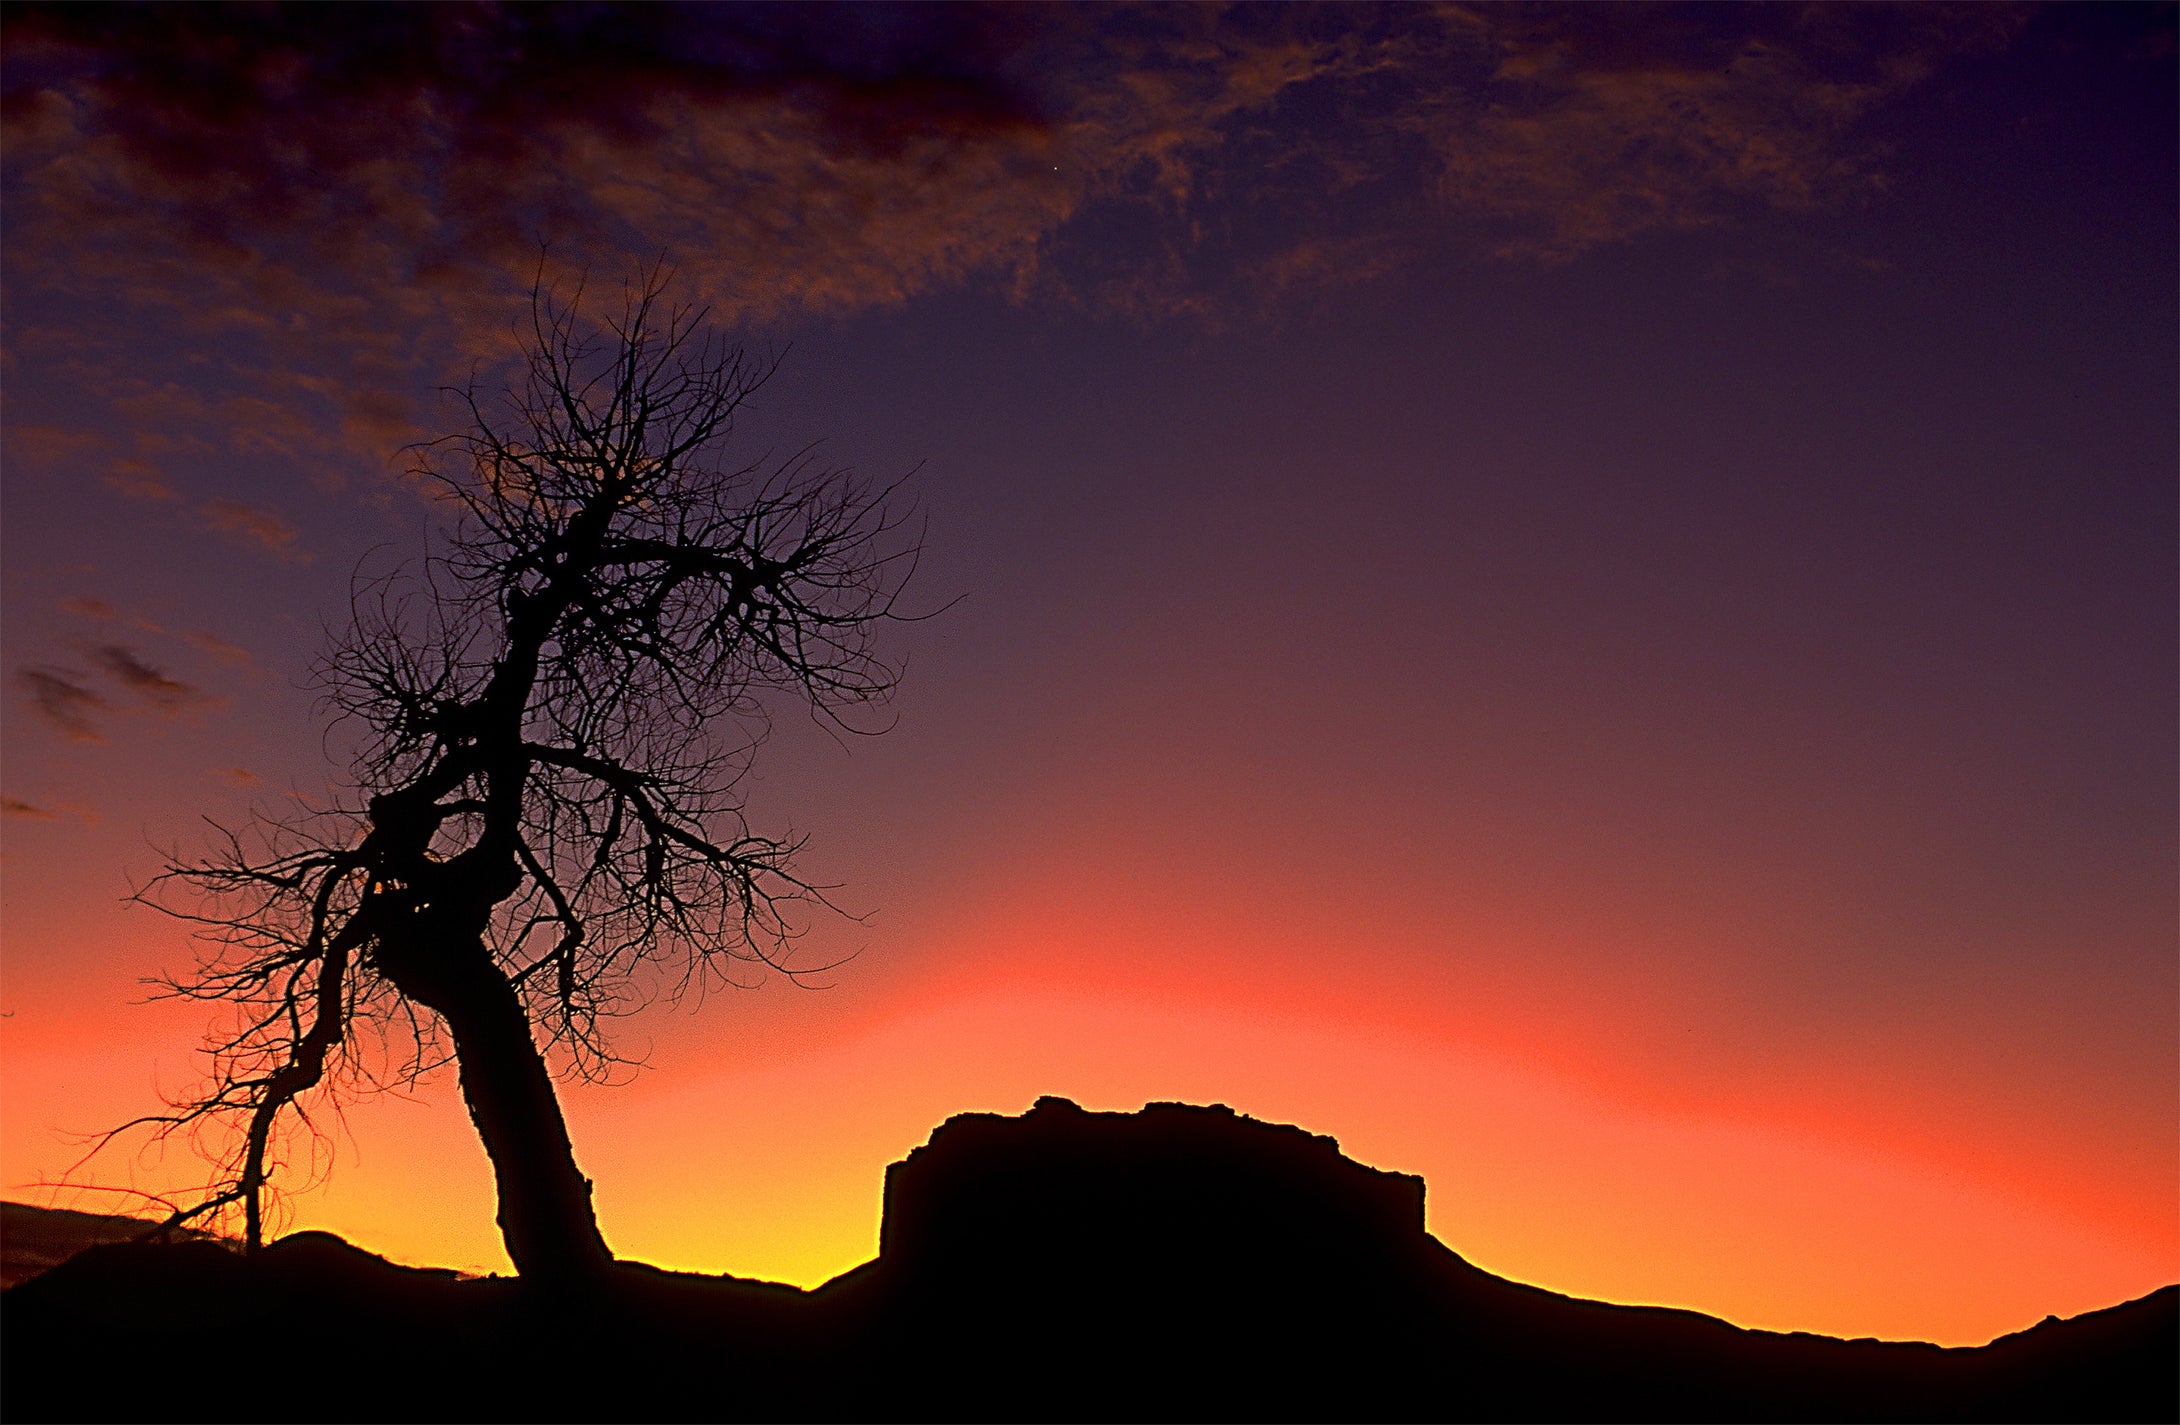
(1176, 1263)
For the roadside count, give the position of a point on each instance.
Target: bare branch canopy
(554, 714)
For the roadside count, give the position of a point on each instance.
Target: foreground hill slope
(38, 1239)
(1174, 1263)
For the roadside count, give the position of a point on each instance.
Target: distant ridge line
(1178, 1262)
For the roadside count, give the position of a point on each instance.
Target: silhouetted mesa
(1206, 1193)
(1179, 1262)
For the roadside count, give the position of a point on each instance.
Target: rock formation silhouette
(1177, 1263)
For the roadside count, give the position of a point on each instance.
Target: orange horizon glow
(1553, 1154)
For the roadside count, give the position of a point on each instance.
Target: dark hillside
(38, 1239)
(1175, 1263)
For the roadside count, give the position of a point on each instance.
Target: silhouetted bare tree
(556, 711)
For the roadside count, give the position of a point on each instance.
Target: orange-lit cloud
(139, 480)
(219, 648)
(251, 525)
(339, 211)
(43, 444)
(1596, 127)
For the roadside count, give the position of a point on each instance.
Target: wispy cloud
(369, 174)
(46, 444)
(71, 704)
(203, 641)
(1597, 124)
(354, 200)
(252, 525)
(138, 479)
(166, 693)
(65, 702)
(106, 611)
(237, 776)
(231, 654)
(22, 810)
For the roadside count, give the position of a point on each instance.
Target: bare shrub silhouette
(544, 830)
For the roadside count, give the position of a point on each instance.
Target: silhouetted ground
(1175, 1263)
(38, 1239)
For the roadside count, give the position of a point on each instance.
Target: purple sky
(1693, 484)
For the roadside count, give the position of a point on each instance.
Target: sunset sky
(1582, 599)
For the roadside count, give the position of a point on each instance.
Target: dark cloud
(69, 701)
(168, 694)
(255, 526)
(827, 158)
(23, 810)
(414, 147)
(237, 776)
(62, 700)
(338, 206)
(104, 611)
(350, 199)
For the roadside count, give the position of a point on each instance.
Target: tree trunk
(545, 1212)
